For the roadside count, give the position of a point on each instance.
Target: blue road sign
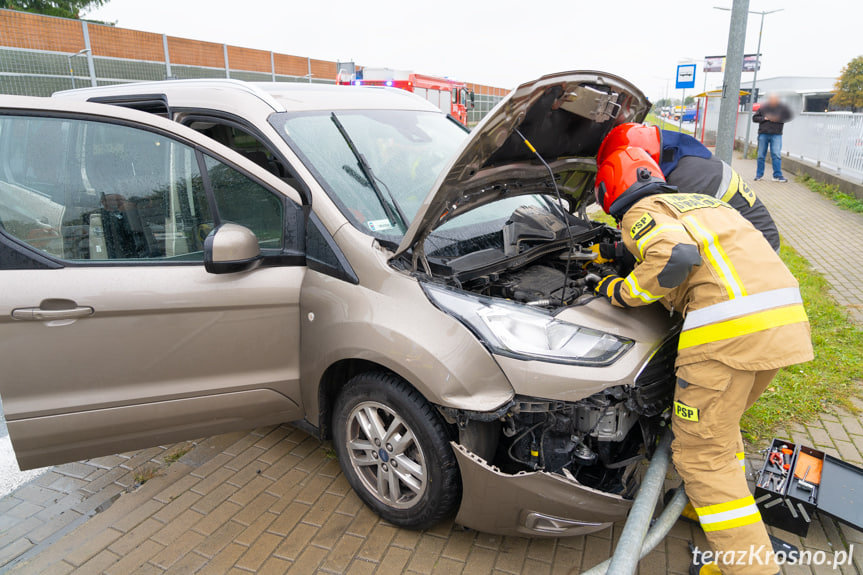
(685, 76)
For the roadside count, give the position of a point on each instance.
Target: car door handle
(39, 314)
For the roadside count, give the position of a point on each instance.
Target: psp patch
(644, 224)
(687, 202)
(685, 412)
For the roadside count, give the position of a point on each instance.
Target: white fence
(832, 140)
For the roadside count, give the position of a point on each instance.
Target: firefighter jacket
(688, 165)
(698, 256)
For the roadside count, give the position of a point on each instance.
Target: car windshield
(401, 154)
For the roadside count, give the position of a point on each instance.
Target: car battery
(796, 482)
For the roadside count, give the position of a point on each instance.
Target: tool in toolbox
(797, 481)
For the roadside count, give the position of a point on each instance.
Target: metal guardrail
(833, 140)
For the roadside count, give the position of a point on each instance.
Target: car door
(114, 336)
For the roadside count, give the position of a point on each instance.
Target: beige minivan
(186, 258)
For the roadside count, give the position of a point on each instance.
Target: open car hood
(565, 116)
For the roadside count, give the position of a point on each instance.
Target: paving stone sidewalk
(274, 500)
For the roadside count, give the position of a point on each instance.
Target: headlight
(526, 333)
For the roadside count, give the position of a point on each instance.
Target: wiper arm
(369, 175)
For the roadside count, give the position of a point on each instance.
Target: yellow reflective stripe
(746, 305)
(636, 291)
(730, 514)
(733, 186)
(731, 523)
(727, 506)
(718, 259)
(742, 325)
(660, 228)
(740, 457)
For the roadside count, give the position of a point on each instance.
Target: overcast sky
(506, 42)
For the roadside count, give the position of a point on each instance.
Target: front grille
(654, 386)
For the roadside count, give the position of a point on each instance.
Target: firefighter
(687, 164)
(743, 320)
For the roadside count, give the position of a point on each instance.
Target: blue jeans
(775, 143)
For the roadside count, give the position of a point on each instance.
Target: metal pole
(69, 59)
(666, 102)
(628, 550)
(168, 73)
(682, 110)
(309, 59)
(752, 90)
(731, 84)
(273, 65)
(71, 72)
(227, 65)
(90, 64)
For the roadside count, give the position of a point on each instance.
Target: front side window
(404, 150)
(86, 191)
(243, 201)
(81, 190)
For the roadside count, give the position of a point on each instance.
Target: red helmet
(624, 170)
(648, 138)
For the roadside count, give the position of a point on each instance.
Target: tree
(62, 8)
(689, 100)
(849, 86)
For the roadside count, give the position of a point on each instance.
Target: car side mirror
(231, 248)
(472, 99)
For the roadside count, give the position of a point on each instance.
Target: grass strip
(800, 393)
(831, 192)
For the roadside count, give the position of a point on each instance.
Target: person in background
(771, 118)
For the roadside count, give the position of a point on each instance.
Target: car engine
(550, 277)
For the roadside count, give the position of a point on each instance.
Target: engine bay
(537, 265)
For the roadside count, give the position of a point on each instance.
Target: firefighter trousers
(709, 401)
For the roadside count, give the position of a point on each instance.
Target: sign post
(685, 79)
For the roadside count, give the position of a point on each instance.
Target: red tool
(775, 458)
(789, 452)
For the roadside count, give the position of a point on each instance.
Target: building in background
(801, 93)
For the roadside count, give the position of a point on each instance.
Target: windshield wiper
(370, 176)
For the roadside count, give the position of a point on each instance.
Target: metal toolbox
(807, 481)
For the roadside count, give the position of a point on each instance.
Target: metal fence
(40, 55)
(832, 140)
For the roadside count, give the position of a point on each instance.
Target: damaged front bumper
(532, 504)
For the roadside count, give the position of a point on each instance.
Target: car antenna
(562, 209)
(370, 176)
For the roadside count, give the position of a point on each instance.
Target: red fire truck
(450, 96)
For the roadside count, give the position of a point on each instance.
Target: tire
(394, 450)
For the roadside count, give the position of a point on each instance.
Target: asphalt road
(10, 476)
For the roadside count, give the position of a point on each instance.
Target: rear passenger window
(90, 191)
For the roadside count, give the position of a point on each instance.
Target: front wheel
(394, 451)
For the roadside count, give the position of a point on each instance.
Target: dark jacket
(780, 114)
(694, 170)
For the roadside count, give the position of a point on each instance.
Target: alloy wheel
(385, 454)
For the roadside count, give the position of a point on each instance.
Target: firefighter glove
(606, 286)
